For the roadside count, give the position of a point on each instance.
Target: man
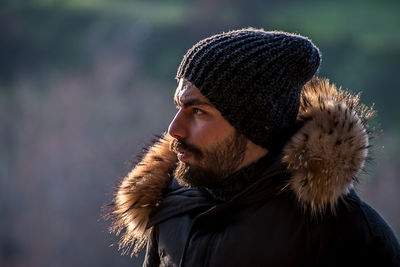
(258, 165)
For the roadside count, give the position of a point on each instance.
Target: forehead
(187, 90)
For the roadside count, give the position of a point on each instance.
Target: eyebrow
(192, 102)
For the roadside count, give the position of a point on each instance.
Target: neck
(253, 153)
(238, 181)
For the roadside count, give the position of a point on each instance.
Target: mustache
(178, 144)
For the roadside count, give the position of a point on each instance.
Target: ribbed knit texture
(254, 78)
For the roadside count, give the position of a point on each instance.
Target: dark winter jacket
(300, 208)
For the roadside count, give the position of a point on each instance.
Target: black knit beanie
(254, 78)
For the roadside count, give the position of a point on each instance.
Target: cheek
(210, 133)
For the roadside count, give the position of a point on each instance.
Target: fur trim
(139, 192)
(329, 150)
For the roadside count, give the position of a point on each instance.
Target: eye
(197, 111)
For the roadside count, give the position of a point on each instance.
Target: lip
(182, 156)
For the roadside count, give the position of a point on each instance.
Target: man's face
(207, 146)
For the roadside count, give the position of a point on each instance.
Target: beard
(212, 165)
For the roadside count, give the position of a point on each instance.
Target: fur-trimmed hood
(324, 158)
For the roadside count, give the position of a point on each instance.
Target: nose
(177, 128)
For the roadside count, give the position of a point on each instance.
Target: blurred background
(84, 85)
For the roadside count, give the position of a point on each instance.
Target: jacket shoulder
(384, 241)
(356, 234)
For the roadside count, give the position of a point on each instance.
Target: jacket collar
(253, 183)
(323, 157)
